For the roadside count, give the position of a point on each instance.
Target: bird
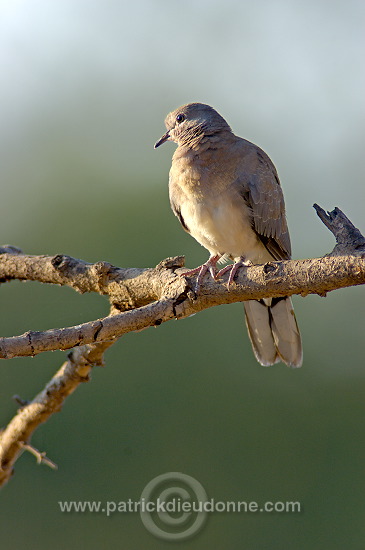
(227, 194)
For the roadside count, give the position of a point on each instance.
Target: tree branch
(148, 297)
(176, 300)
(20, 429)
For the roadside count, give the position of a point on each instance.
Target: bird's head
(188, 124)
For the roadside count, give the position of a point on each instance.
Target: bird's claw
(210, 266)
(202, 270)
(233, 268)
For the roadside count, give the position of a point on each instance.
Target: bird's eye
(180, 118)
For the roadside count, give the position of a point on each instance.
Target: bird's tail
(273, 331)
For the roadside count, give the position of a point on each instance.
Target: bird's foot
(233, 268)
(202, 270)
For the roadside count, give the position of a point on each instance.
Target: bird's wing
(176, 210)
(259, 185)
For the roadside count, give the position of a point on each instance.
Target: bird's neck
(201, 142)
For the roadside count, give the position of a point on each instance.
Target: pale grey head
(190, 123)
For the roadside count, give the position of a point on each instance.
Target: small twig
(9, 249)
(40, 456)
(20, 401)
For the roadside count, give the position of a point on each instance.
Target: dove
(226, 193)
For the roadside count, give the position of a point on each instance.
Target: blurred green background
(85, 87)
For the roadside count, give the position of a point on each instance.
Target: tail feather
(273, 331)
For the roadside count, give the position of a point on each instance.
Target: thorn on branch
(20, 401)
(9, 249)
(40, 456)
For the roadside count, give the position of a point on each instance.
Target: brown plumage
(227, 195)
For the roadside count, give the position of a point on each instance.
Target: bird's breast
(216, 215)
(222, 224)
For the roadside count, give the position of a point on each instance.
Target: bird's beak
(162, 140)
